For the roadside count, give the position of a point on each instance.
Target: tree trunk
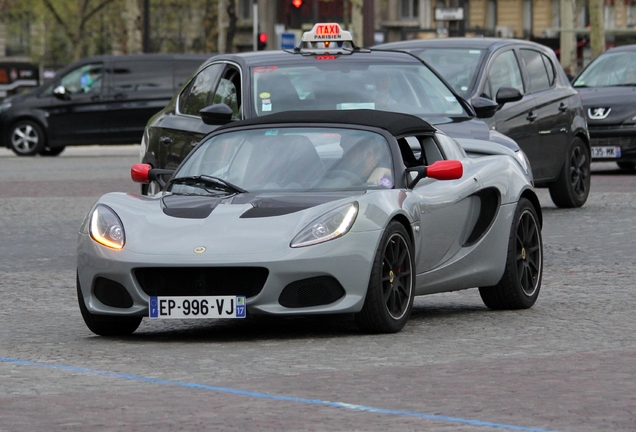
(568, 37)
(231, 29)
(597, 32)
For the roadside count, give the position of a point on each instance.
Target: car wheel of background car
(26, 138)
(390, 294)
(106, 325)
(519, 286)
(626, 165)
(48, 151)
(573, 184)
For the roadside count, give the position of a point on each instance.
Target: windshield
(407, 88)
(277, 159)
(458, 66)
(610, 69)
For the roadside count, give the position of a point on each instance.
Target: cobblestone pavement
(566, 364)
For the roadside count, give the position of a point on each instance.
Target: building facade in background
(280, 23)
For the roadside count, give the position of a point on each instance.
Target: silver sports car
(317, 212)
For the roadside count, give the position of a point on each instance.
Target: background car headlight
(327, 227)
(106, 228)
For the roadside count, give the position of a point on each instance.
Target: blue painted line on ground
(342, 405)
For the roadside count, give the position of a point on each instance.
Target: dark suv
(545, 118)
(98, 100)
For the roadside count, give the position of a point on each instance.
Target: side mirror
(60, 93)
(508, 94)
(484, 107)
(440, 170)
(145, 173)
(217, 114)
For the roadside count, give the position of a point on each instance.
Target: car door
(78, 115)
(447, 210)
(515, 119)
(554, 118)
(138, 89)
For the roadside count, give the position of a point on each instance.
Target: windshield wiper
(208, 183)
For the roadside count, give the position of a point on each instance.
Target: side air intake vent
(314, 291)
(112, 293)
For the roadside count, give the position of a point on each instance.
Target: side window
(549, 67)
(504, 72)
(198, 94)
(537, 72)
(142, 75)
(184, 69)
(420, 150)
(84, 79)
(229, 91)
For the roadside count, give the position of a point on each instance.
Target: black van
(98, 100)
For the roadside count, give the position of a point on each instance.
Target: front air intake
(316, 291)
(112, 293)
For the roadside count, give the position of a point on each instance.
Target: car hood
(245, 224)
(619, 101)
(474, 129)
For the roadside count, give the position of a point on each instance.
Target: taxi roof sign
(327, 32)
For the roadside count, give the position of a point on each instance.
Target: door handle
(531, 117)
(563, 107)
(165, 140)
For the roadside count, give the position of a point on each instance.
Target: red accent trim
(139, 173)
(446, 170)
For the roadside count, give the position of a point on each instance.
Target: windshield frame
(191, 166)
(618, 62)
(483, 55)
(354, 65)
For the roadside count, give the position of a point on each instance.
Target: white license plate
(606, 152)
(197, 307)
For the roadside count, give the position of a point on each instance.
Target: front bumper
(617, 137)
(347, 261)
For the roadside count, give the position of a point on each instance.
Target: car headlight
(329, 226)
(106, 228)
(5, 106)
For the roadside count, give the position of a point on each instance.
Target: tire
(520, 284)
(572, 187)
(26, 138)
(389, 300)
(106, 325)
(48, 151)
(626, 165)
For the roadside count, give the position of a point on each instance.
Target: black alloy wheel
(520, 284)
(390, 293)
(573, 184)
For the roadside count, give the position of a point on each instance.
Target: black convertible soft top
(397, 124)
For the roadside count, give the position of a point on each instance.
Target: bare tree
(597, 24)
(210, 26)
(73, 21)
(231, 30)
